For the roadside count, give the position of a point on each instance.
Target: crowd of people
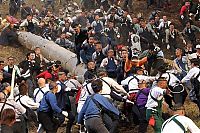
(128, 80)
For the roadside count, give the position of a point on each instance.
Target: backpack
(63, 98)
(57, 118)
(195, 82)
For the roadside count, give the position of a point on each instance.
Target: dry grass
(18, 53)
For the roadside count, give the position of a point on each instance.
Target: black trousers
(70, 122)
(95, 125)
(47, 123)
(77, 51)
(143, 122)
(110, 124)
(179, 97)
(13, 10)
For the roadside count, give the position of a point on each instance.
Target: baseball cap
(69, 75)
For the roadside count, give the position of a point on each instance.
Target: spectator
(184, 12)
(110, 64)
(28, 68)
(25, 10)
(182, 63)
(63, 41)
(88, 49)
(14, 6)
(99, 54)
(9, 69)
(80, 37)
(189, 31)
(171, 37)
(30, 23)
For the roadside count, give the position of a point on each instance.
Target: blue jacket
(51, 98)
(91, 110)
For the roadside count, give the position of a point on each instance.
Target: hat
(141, 81)
(110, 50)
(138, 68)
(61, 73)
(11, 58)
(198, 46)
(101, 69)
(4, 85)
(69, 75)
(162, 79)
(178, 106)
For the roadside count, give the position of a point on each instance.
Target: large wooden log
(52, 51)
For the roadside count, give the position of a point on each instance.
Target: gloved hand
(67, 89)
(168, 46)
(65, 113)
(182, 17)
(128, 101)
(184, 42)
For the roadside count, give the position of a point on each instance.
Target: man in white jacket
(10, 67)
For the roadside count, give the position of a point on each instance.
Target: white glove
(182, 17)
(184, 42)
(68, 89)
(65, 113)
(168, 46)
(128, 101)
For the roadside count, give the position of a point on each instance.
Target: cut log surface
(53, 51)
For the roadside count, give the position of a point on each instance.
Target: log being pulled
(52, 51)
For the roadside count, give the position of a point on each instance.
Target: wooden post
(12, 84)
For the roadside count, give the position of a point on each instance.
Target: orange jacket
(129, 63)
